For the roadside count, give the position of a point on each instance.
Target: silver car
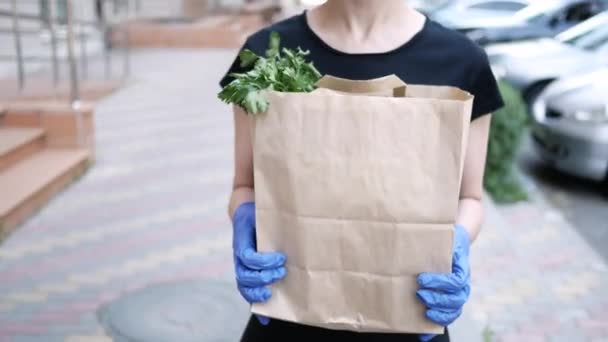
(532, 70)
(540, 19)
(570, 125)
(544, 47)
(466, 15)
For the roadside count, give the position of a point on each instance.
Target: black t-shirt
(434, 56)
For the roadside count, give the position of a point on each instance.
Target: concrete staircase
(33, 166)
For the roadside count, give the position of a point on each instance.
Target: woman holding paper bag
(362, 39)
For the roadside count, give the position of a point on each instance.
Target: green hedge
(508, 125)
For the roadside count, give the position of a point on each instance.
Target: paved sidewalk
(535, 279)
(152, 210)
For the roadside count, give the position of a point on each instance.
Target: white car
(570, 125)
(544, 46)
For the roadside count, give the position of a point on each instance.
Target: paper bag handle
(364, 86)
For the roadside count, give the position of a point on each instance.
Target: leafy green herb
(281, 70)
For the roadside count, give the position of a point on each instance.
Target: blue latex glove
(445, 294)
(254, 271)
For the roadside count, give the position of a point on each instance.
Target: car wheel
(532, 92)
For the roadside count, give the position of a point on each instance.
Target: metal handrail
(26, 58)
(55, 61)
(18, 49)
(34, 17)
(122, 10)
(69, 21)
(74, 84)
(24, 31)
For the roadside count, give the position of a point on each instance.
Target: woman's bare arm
(242, 184)
(470, 208)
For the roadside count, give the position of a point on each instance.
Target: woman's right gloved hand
(254, 271)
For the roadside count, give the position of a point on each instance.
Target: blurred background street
(582, 202)
(116, 167)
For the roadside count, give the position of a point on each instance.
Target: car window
(572, 14)
(579, 12)
(511, 6)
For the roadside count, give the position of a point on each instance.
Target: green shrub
(487, 334)
(508, 125)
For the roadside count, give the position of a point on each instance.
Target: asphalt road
(580, 201)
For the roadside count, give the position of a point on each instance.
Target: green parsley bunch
(281, 70)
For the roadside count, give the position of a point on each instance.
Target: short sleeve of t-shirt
(484, 87)
(434, 56)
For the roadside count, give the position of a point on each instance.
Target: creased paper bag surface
(361, 193)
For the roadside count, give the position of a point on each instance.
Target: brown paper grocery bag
(360, 192)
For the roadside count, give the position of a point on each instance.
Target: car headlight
(594, 115)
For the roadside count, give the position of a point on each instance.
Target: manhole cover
(182, 311)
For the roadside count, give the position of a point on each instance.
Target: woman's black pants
(286, 331)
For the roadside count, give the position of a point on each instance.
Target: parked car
(466, 15)
(543, 47)
(540, 19)
(429, 7)
(570, 125)
(530, 74)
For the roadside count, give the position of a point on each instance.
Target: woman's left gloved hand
(445, 294)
